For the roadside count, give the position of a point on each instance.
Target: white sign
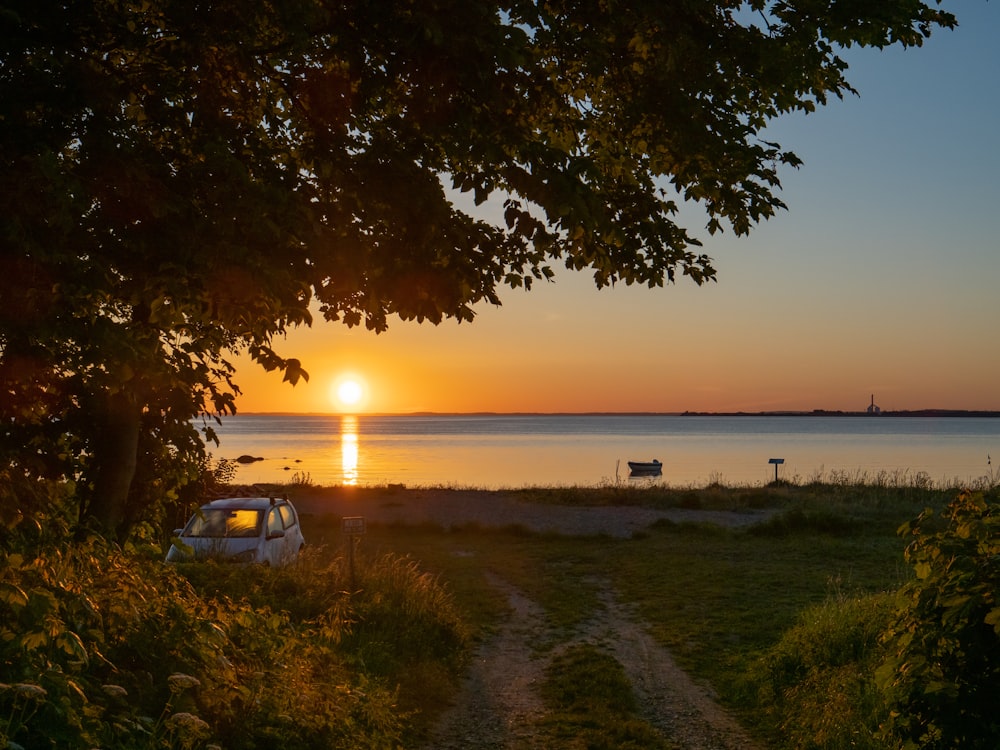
(353, 525)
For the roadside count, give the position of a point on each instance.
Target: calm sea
(512, 451)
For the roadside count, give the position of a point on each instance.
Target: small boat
(645, 467)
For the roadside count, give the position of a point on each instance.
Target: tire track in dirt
(670, 700)
(499, 707)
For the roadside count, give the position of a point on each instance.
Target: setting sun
(347, 392)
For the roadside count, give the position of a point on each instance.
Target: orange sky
(881, 278)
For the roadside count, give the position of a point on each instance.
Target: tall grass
(816, 685)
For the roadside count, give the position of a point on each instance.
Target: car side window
(287, 516)
(274, 522)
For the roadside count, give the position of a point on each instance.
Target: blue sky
(882, 278)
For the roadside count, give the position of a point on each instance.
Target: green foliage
(100, 648)
(34, 511)
(816, 685)
(592, 704)
(942, 666)
(93, 627)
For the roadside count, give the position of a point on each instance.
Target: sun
(347, 392)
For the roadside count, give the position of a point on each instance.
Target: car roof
(249, 503)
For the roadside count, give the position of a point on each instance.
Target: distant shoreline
(827, 413)
(813, 413)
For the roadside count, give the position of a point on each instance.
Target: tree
(181, 180)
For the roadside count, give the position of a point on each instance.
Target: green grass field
(720, 599)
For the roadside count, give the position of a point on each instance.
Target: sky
(881, 279)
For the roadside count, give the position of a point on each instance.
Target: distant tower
(872, 409)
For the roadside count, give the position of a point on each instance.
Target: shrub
(102, 648)
(98, 634)
(943, 647)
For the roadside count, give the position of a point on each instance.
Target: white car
(262, 530)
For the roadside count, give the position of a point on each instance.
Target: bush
(102, 648)
(91, 637)
(942, 669)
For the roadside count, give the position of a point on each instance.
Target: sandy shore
(488, 508)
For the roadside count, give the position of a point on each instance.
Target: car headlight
(245, 557)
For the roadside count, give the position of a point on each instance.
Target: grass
(723, 601)
(814, 684)
(714, 591)
(591, 705)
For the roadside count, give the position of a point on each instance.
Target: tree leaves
(181, 182)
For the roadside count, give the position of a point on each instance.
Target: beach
(449, 508)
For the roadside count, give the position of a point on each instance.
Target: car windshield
(223, 522)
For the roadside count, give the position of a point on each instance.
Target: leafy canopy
(181, 180)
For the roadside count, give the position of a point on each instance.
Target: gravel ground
(491, 508)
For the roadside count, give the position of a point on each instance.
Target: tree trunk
(115, 449)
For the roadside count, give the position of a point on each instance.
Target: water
(508, 451)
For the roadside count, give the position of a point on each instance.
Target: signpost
(777, 462)
(354, 528)
(353, 525)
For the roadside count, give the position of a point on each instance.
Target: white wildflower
(187, 726)
(179, 682)
(30, 690)
(115, 691)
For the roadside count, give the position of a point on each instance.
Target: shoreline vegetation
(786, 599)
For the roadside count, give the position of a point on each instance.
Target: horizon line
(688, 412)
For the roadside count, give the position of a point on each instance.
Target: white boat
(645, 467)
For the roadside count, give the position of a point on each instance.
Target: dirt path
(671, 701)
(499, 706)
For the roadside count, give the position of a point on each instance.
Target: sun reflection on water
(349, 449)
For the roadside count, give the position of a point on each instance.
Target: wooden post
(354, 528)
